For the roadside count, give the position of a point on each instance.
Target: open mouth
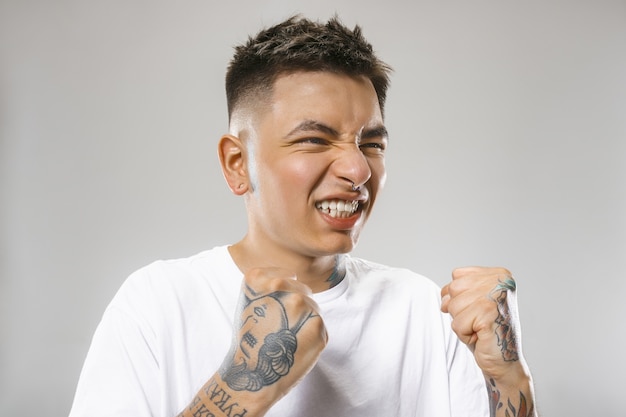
(338, 208)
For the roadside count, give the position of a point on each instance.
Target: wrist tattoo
(218, 397)
(505, 331)
(495, 405)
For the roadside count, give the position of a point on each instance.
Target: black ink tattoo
(252, 366)
(339, 272)
(504, 330)
(495, 404)
(218, 397)
(275, 359)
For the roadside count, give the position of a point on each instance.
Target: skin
(317, 136)
(321, 133)
(483, 305)
(261, 316)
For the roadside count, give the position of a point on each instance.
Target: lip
(341, 223)
(344, 223)
(362, 197)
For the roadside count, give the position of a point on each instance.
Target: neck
(317, 272)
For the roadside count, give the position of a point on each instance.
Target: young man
(284, 322)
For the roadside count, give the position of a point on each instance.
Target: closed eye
(314, 141)
(373, 145)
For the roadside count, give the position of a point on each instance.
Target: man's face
(320, 133)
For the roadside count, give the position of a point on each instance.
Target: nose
(352, 166)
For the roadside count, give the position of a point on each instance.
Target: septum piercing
(355, 187)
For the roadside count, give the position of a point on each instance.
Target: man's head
(307, 138)
(299, 44)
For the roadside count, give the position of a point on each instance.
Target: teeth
(338, 208)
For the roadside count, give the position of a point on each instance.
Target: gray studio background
(508, 147)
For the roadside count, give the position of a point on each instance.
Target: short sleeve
(468, 391)
(120, 374)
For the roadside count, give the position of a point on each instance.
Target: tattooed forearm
(274, 360)
(504, 330)
(523, 409)
(214, 396)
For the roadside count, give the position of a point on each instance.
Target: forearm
(216, 399)
(513, 397)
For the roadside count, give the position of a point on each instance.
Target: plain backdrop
(507, 147)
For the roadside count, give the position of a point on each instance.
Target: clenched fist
(278, 334)
(278, 337)
(483, 306)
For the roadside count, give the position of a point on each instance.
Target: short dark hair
(299, 44)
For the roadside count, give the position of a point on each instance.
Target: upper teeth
(338, 208)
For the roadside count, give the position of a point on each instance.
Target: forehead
(342, 101)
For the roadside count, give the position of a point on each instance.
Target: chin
(341, 246)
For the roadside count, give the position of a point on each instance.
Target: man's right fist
(278, 334)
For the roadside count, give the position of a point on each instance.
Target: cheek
(304, 173)
(379, 174)
(294, 176)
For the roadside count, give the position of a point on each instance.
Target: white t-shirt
(391, 352)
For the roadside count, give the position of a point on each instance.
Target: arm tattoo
(218, 397)
(504, 330)
(262, 358)
(522, 410)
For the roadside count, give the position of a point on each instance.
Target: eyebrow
(315, 126)
(377, 132)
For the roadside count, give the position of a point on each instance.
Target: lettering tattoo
(495, 405)
(267, 343)
(339, 272)
(505, 330)
(218, 397)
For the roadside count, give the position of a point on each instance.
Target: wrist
(517, 376)
(218, 399)
(511, 395)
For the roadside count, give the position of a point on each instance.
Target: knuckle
(298, 302)
(457, 326)
(254, 275)
(455, 288)
(276, 285)
(507, 272)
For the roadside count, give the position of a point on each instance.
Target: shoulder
(384, 279)
(177, 280)
(364, 269)
(200, 265)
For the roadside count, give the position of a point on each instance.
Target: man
(284, 322)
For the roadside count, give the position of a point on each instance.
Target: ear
(232, 154)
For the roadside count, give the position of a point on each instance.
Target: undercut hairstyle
(299, 44)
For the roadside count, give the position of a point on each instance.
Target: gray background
(508, 147)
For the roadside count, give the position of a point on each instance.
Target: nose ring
(355, 187)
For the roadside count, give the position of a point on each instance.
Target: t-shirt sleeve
(468, 392)
(120, 374)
